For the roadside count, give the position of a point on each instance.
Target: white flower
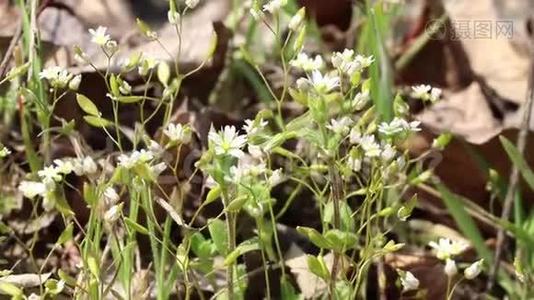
(256, 13)
(88, 165)
(110, 197)
(275, 178)
(74, 83)
(157, 169)
(426, 93)
(49, 175)
(354, 164)
(473, 270)
(246, 167)
(370, 146)
(255, 151)
(340, 59)
(125, 88)
(450, 268)
(446, 248)
(274, 6)
(113, 214)
(64, 166)
(146, 64)
(227, 141)
(178, 133)
(364, 61)
(155, 148)
(340, 126)
(360, 100)
(4, 152)
(355, 135)
(435, 94)
(56, 76)
(191, 3)
(397, 125)
(306, 63)
(304, 84)
(388, 153)
(409, 282)
(252, 127)
(297, 19)
(136, 157)
(99, 36)
(173, 17)
(323, 84)
(421, 91)
(413, 126)
(30, 189)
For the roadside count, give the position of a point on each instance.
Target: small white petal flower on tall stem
(274, 6)
(227, 141)
(99, 36)
(178, 133)
(409, 282)
(30, 189)
(191, 3)
(450, 268)
(473, 270)
(446, 248)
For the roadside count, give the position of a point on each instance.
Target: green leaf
(201, 247)
(288, 290)
(145, 29)
(218, 233)
(66, 277)
(518, 160)
(10, 289)
(317, 266)
(93, 266)
(62, 205)
(243, 248)
(134, 226)
(66, 235)
(97, 121)
(314, 236)
(53, 287)
(89, 194)
(114, 85)
(347, 222)
(87, 105)
(20, 70)
(213, 195)
(341, 240)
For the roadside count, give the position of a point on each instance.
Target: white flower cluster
(227, 141)
(371, 147)
(426, 93)
(446, 249)
(52, 175)
(274, 6)
(178, 133)
(350, 64)
(144, 158)
(398, 125)
(59, 78)
(4, 151)
(306, 63)
(322, 84)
